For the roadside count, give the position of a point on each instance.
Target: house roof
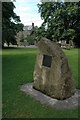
(29, 27)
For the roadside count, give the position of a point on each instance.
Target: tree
(30, 39)
(10, 23)
(22, 38)
(40, 32)
(62, 20)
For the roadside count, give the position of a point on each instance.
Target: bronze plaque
(47, 61)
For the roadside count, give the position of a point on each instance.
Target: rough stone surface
(55, 81)
(69, 103)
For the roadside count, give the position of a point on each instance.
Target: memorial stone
(52, 74)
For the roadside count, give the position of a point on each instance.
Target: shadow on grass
(11, 48)
(16, 48)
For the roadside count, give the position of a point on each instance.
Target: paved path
(15, 46)
(69, 103)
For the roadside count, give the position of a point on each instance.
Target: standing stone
(52, 74)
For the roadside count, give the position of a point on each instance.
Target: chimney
(32, 25)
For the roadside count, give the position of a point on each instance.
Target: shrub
(30, 39)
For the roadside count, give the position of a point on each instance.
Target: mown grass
(17, 69)
(72, 56)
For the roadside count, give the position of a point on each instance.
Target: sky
(28, 12)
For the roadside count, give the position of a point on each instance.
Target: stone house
(27, 30)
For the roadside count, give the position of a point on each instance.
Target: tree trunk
(8, 44)
(2, 45)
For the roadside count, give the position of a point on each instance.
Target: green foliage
(69, 35)
(62, 20)
(10, 23)
(30, 39)
(19, 27)
(22, 38)
(40, 32)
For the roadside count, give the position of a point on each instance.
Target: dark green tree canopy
(11, 23)
(62, 20)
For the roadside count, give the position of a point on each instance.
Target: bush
(30, 39)
(22, 38)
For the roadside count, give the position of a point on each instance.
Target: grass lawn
(17, 69)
